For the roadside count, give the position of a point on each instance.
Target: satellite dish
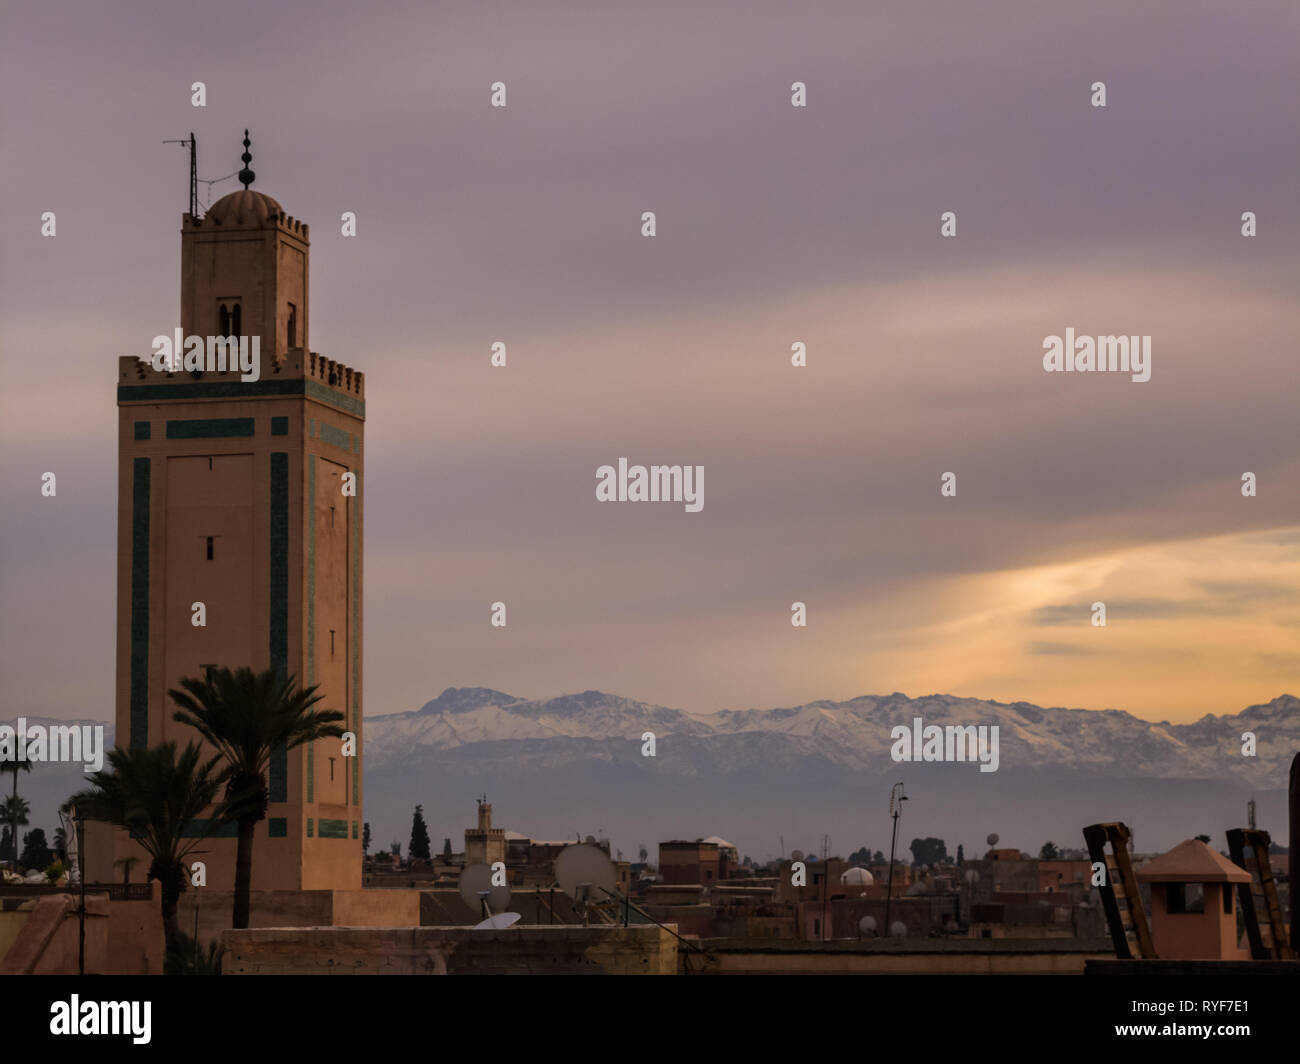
(898, 929)
(590, 840)
(867, 925)
(501, 920)
(797, 855)
(992, 840)
(476, 889)
(972, 876)
(585, 873)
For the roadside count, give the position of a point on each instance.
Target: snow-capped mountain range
(853, 735)
(557, 767)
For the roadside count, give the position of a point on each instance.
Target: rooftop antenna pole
(81, 911)
(194, 173)
(194, 177)
(895, 808)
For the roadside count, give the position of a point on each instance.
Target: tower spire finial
(246, 175)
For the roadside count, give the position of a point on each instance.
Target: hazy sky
(775, 225)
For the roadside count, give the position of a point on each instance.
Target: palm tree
(246, 716)
(13, 811)
(126, 864)
(160, 797)
(15, 765)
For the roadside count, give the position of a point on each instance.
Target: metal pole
(889, 890)
(194, 179)
(896, 808)
(81, 913)
(1293, 860)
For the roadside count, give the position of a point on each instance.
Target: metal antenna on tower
(194, 174)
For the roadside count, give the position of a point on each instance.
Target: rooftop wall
(519, 950)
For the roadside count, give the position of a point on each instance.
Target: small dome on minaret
(244, 207)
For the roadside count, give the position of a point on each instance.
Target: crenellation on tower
(296, 364)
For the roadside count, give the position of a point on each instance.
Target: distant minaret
(485, 844)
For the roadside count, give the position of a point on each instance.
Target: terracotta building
(246, 496)
(693, 862)
(1193, 904)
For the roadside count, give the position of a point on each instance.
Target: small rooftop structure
(1193, 916)
(1191, 861)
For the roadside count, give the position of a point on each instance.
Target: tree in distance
(419, 846)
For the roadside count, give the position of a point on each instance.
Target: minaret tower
(246, 496)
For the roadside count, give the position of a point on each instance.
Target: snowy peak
(465, 700)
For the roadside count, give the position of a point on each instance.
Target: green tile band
(311, 610)
(311, 569)
(196, 829)
(210, 428)
(309, 831)
(140, 604)
(335, 437)
(143, 430)
(333, 829)
(279, 642)
(354, 723)
(279, 426)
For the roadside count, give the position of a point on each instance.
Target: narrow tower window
(235, 322)
(210, 538)
(331, 644)
(223, 320)
(293, 326)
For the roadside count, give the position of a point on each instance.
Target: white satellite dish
(501, 920)
(867, 925)
(585, 873)
(898, 929)
(477, 891)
